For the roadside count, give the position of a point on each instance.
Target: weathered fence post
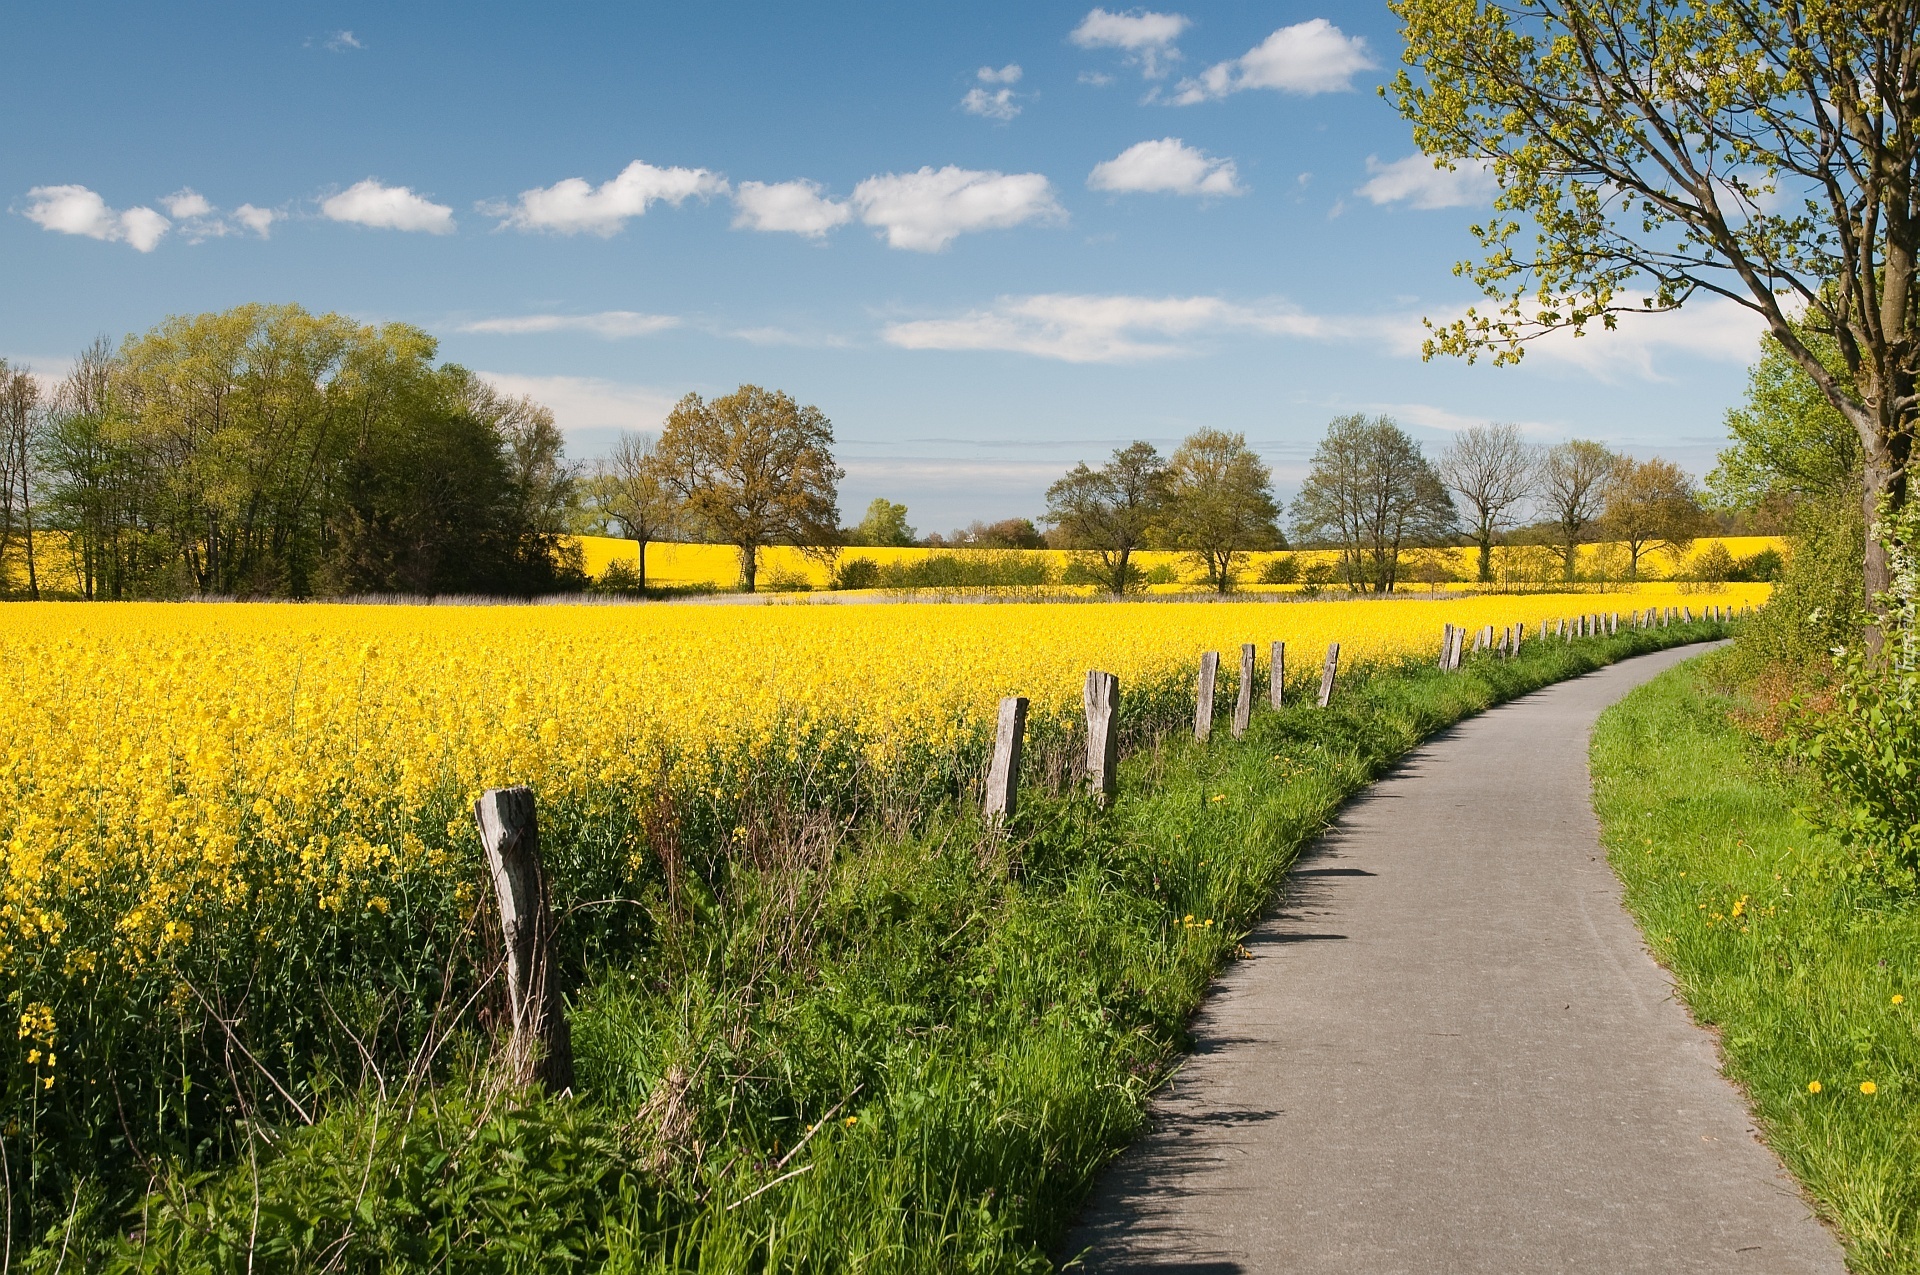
(1243, 705)
(1102, 697)
(1203, 696)
(1446, 646)
(1277, 675)
(539, 1043)
(1327, 674)
(1003, 776)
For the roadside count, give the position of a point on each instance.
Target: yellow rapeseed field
(168, 767)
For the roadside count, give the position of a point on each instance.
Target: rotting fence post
(1003, 776)
(1102, 697)
(1243, 703)
(1277, 675)
(1203, 696)
(539, 1045)
(1327, 674)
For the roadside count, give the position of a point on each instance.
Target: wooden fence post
(1203, 696)
(539, 1043)
(1102, 697)
(1003, 776)
(1277, 675)
(1327, 674)
(1446, 646)
(1243, 704)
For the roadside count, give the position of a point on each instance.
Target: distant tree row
(266, 451)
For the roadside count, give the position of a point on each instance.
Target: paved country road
(1451, 1052)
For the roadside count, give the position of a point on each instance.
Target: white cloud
(588, 409)
(923, 211)
(258, 220)
(1146, 37)
(796, 207)
(368, 203)
(1166, 165)
(1097, 329)
(1308, 57)
(997, 105)
(1008, 74)
(571, 206)
(607, 323)
(76, 210)
(1713, 328)
(341, 41)
(187, 202)
(1098, 79)
(1469, 182)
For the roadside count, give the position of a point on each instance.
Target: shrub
(969, 569)
(1088, 569)
(1284, 569)
(1315, 579)
(620, 579)
(1163, 573)
(1866, 751)
(1767, 565)
(780, 580)
(857, 573)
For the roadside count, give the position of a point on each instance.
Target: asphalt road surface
(1450, 1052)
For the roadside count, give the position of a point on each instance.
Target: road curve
(1450, 1052)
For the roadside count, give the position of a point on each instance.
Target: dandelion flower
(1868, 1087)
(1813, 1086)
(1898, 999)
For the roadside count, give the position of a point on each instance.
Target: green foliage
(1794, 958)
(1219, 504)
(1374, 496)
(1284, 569)
(1816, 605)
(857, 573)
(1110, 512)
(904, 1050)
(969, 569)
(1087, 568)
(1765, 566)
(1865, 748)
(1162, 573)
(1787, 438)
(884, 526)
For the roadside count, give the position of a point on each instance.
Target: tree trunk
(1486, 555)
(1120, 573)
(643, 564)
(749, 565)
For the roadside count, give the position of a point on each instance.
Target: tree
(1219, 504)
(1760, 152)
(1110, 511)
(19, 427)
(1650, 505)
(633, 492)
(1788, 440)
(885, 526)
(1493, 470)
(755, 469)
(1573, 492)
(1373, 494)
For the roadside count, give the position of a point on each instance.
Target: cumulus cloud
(590, 411)
(1097, 329)
(258, 220)
(76, 210)
(1166, 165)
(187, 202)
(571, 206)
(1712, 328)
(368, 203)
(1416, 180)
(994, 103)
(1308, 57)
(1145, 37)
(796, 207)
(924, 211)
(607, 323)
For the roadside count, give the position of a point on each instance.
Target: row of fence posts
(539, 1044)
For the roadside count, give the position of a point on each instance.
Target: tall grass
(1805, 962)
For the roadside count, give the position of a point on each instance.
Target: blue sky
(987, 240)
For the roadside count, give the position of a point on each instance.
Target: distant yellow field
(685, 564)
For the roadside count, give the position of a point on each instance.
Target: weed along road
(1450, 1052)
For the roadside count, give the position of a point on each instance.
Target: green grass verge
(1810, 971)
(896, 1053)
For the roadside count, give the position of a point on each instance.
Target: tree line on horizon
(265, 451)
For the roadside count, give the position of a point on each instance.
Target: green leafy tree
(1108, 513)
(630, 490)
(754, 468)
(1372, 494)
(1759, 152)
(885, 526)
(1219, 504)
(1787, 438)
